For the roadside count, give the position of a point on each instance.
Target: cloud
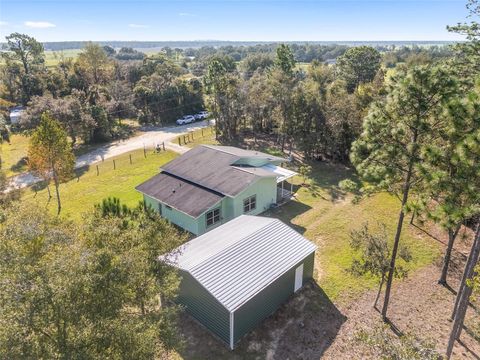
(3, 23)
(138, 26)
(186, 14)
(39, 24)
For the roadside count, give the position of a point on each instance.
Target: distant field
(52, 58)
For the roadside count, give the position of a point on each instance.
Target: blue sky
(271, 20)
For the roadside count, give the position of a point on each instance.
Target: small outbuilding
(239, 273)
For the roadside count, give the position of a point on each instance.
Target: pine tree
(395, 131)
(50, 154)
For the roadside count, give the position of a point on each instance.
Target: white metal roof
(240, 258)
(281, 173)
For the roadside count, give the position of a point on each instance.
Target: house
(210, 185)
(16, 114)
(236, 275)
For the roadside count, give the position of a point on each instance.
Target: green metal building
(236, 275)
(210, 185)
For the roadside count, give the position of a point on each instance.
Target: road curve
(149, 137)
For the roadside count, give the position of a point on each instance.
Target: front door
(298, 277)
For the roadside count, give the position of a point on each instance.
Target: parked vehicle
(187, 119)
(202, 115)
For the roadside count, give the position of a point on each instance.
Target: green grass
(11, 154)
(52, 58)
(197, 137)
(326, 216)
(79, 196)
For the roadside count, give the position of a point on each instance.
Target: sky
(236, 20)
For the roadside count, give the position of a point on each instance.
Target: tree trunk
(463, 282)
(463, 296)
(412, 218)
(49, 193)
(401, 215)
(452, 235)
(59, 204)
(379, 291)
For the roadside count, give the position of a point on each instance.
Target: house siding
(265, 190)
(266, 302)
(204, 307)
(176, 217)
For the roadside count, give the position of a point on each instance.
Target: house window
(250, 203)
(213, 217)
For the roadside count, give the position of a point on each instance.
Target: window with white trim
(250, 203)
(212, 217)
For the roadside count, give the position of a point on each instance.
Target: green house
(236, 275)
(210, 185)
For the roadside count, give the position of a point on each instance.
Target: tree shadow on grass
(325, 179)
(287, 212)
(20, 166)
(302, 328)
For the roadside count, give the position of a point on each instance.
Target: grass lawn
(80, 196)
(197, 137)
(326, 215)
(12, 153)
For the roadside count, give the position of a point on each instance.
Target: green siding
(204, 307)
(265, 303)
(177, 217)
(266, 191)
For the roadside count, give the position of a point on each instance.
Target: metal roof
(237, 260)
(186, 197)
(282, 174)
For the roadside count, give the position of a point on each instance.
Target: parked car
(187, 119)
(201, 115)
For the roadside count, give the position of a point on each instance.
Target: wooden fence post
(202, 132)
(179, 142)
(114, 166)
(163, 144)
(144, 152)
(130, 156)
(97, 171)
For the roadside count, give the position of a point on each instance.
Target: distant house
(16, 114)
(236, 275)
(210, 185)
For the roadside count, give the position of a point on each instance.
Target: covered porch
(284, 187)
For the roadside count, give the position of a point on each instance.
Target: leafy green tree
(28, 52)
(50, 154)
(358, 65)
(90, 291)
(25, 49)
(395, 133)
(284, 60)
(225, 101)
(375, 255)
(304, 170)
(255, 62)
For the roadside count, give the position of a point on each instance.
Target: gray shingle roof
(240, 258)
(211, 167)
(179, 194)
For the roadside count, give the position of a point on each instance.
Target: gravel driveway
(149, 137)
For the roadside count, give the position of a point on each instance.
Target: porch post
(282, 189)
(291, 188)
